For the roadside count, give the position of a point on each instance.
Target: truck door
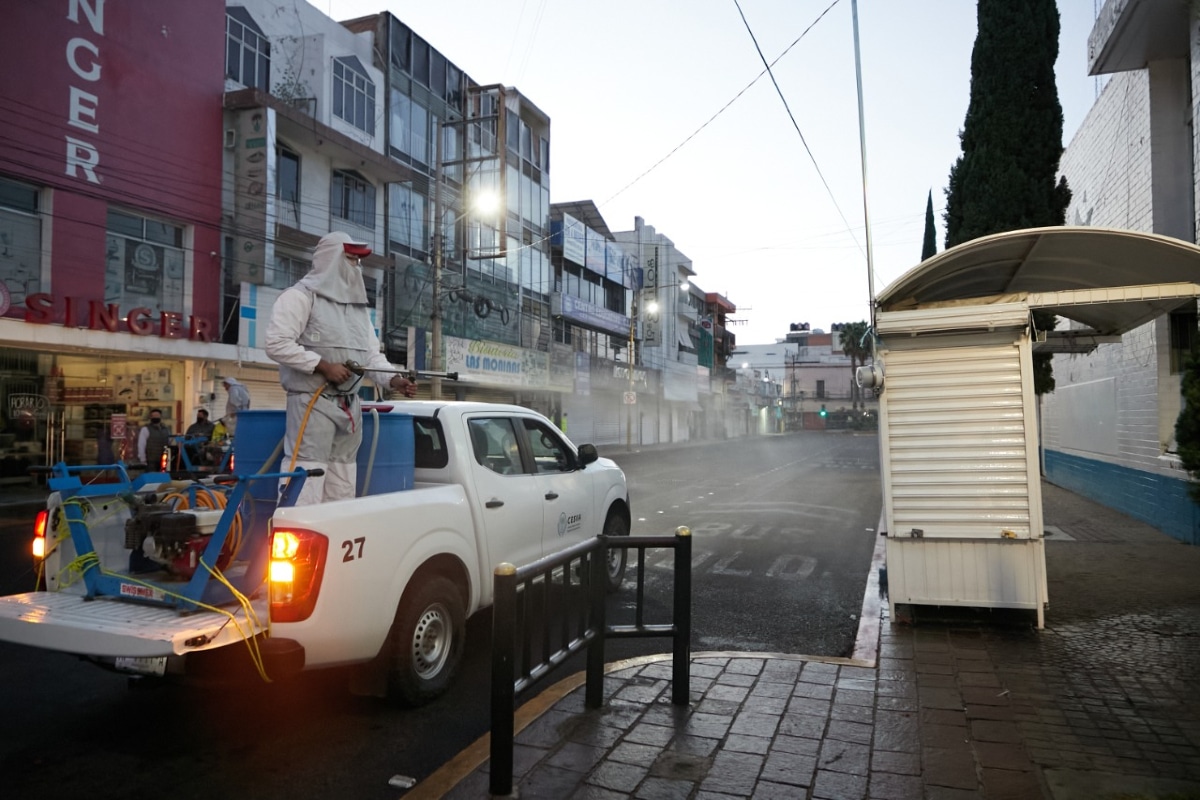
(568, 511)
(509, 500)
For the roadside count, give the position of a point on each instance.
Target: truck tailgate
(110, 627)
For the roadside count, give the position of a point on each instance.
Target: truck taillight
(39, 533)
(164, 463)
(297, 564)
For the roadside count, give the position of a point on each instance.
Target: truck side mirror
(587, 454)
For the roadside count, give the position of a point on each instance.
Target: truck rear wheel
(614, 526)
(427, 641)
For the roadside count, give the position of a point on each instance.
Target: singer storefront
(111, 245)
(77, 378)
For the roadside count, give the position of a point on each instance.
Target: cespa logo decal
(569, 522)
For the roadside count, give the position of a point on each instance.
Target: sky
(766, 199)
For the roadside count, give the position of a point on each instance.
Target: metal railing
(535, 601)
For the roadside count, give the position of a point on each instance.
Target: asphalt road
(784, 530)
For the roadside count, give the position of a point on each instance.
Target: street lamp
(483, 204)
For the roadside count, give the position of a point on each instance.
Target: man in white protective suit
(317, 327)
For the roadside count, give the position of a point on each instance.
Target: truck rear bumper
(113, 628)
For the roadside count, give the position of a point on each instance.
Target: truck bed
(109, 627)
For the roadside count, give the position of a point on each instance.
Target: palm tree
(855, 345)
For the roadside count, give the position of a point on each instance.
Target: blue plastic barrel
(258, 434)
(394, 455)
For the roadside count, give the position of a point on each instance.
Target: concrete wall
(1107, 430)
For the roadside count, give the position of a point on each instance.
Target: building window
(144, 262)
(409, 133)
(287, 186)
(1183, 337)
(352, 198)
(20, 240)
(288, 271)
(247, 51)
(354, 94)
(406, 223)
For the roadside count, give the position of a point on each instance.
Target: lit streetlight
(483, 204)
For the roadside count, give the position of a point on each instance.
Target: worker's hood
(333, 276)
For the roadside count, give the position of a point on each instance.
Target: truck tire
(426, 641)
(615, 525)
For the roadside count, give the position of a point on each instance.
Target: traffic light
(823, 412)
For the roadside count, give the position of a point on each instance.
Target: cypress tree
(1012, 136)
(929, 246)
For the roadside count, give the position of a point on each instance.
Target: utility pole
(628, 405)
(435, 314)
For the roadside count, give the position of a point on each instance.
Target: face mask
(155, 421)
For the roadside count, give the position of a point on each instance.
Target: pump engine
(161, 537)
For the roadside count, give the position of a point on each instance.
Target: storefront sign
(45, 309)
(28, 405)
(589, 315)
(497, 364)
(254, 194)
(83, 59)
(117, 424)
(620, 372)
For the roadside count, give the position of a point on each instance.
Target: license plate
(142, 665)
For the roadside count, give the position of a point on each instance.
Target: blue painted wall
(1154, 499)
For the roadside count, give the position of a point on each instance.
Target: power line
(791, 116)
(723, 108)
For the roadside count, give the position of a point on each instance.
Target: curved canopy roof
(1109, 280)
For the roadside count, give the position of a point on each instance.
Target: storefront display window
(144, 262)
(20, 245)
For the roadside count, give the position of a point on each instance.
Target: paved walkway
(1104, 702)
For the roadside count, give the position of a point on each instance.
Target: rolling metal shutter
(608, 412)
(959, 440)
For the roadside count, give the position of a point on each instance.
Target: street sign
(631, 398)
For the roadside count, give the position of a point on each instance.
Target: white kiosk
(957, 411)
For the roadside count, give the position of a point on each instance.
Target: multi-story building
(668, 343)
(596, 328)
(1108, 428)
(472, 261)
(304, 154)
(110, 222)
(723, 415)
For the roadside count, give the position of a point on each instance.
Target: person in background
(238, 400)
(104, 445)
(317, 327)
(152, 440)
(200, 431)
(202, 428)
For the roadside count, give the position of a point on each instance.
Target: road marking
(783, 569)
(722, 566)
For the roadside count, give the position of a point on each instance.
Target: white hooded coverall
(325, 316)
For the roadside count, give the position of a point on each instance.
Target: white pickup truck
(159, 576)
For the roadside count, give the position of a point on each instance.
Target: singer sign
(71, 312)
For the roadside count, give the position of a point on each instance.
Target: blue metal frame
(200, 588)
(183, 441)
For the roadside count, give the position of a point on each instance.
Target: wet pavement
(1103, 702)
